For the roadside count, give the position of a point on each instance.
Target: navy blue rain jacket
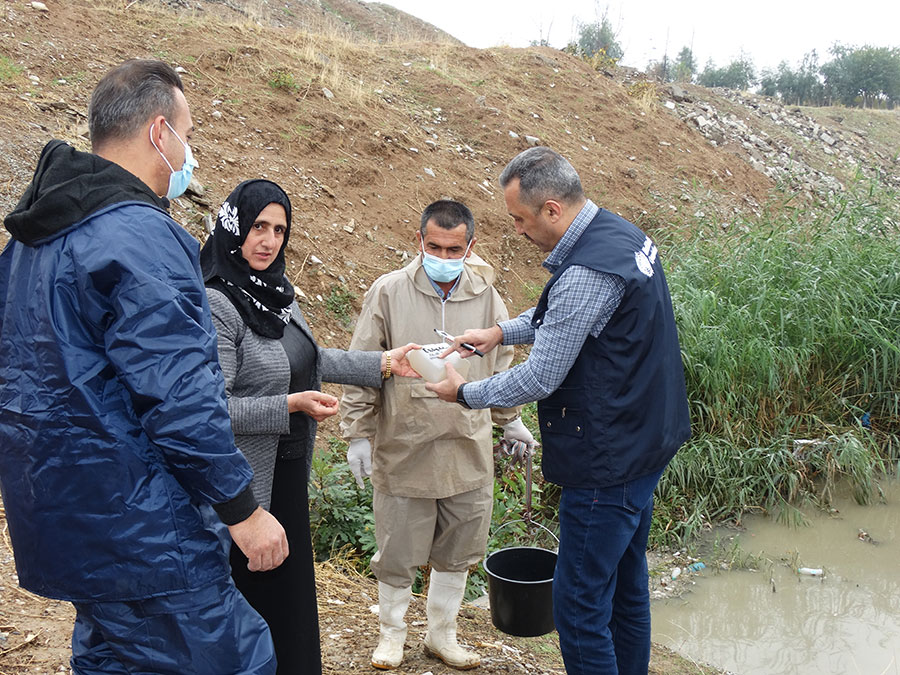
(113, 423)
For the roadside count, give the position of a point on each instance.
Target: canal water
(775, 620)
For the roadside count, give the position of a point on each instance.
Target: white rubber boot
(445, 594)
(392, 605)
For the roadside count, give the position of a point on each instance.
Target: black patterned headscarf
(263, 298)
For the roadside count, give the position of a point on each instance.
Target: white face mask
(178, 180)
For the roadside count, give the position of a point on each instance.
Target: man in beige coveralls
(431, 465)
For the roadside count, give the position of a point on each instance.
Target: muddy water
(775, 620)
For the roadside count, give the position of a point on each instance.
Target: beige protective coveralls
(422, 446)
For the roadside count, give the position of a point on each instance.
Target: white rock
(180, 70)
(670, 105)
(415, 150)
(327, 93)
(39, 6)
(430, 172)
(533, 140)
(513, 134)
(217, 114)
(315, 261)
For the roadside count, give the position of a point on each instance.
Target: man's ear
(554, 209)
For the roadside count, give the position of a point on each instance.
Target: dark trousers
(601, 601)
(286, 596)
(212, 631)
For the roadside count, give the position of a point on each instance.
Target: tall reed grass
(789, 330)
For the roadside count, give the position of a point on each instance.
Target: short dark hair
(543, 174)
(128, 95)
(448, 214)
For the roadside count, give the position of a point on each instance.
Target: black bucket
(520, 588)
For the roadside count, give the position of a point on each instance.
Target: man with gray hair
(606, 371)
(115, 441)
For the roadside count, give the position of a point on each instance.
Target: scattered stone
(39, 6)
(826, 138)
(195, 188)
(327, 93)
(533, 140)
(217, 114)
(430, 172)
(415, 150)
(670, 105)
(180, 70)
(513, 134)
(678, 93)
(349, 227)
(315, 261)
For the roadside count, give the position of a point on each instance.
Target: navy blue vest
(621, 412)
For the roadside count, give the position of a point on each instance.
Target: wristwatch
(459, 396)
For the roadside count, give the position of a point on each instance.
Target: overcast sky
(769, 31)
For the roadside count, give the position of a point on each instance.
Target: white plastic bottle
(427, 362)
(811, 571)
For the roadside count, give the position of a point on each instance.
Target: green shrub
(340, 514)
(281, 78)
(340, 304)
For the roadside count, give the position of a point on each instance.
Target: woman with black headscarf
(273, 371)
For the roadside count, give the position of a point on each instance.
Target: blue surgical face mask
(443, 270)
(178, 180)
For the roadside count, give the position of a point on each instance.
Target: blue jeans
(212, 631)
(601, 601)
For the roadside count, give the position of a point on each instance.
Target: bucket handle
(528, 522)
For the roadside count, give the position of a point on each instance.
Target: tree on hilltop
(685, 66)
(739, 74)
(868, 75)
(598, 37)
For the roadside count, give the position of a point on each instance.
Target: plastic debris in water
(811, 571)
(696, 566)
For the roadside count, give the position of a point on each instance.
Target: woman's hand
(399, 363)
(316, 404)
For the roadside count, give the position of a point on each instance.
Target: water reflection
(847, 621)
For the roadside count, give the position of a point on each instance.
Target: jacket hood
(477, 277)
(67, 187)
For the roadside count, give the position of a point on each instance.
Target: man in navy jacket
(606, 371)
(115, 442)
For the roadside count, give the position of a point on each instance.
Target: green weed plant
(788, 329)
(9, 69)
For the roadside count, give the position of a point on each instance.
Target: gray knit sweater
(257, 378)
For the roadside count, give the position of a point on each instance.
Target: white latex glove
(359, 457)
(517, 441)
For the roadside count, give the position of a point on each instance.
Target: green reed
(789, 330)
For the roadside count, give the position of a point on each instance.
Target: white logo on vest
(646, 257)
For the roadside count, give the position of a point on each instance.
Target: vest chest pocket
(566, 421)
